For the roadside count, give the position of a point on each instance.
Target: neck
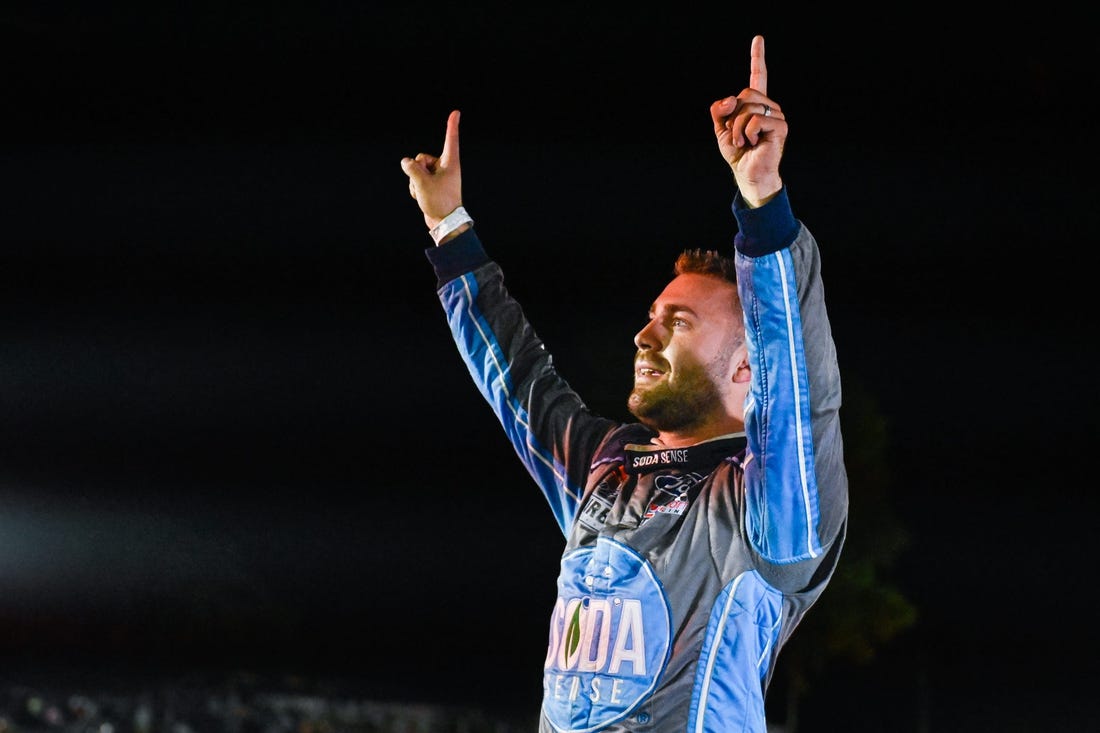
(684, 438)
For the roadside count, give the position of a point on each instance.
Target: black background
(234, 432)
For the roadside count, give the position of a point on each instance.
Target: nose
(647, 339)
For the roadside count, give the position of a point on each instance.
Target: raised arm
(796, 483)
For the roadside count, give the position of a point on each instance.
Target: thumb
(414, 169)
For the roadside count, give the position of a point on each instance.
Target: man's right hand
(436, 182)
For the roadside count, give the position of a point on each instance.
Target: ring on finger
(767, 111)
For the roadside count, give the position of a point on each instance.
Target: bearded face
(675, 400)
(687, 370)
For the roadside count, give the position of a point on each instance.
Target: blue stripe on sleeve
(780, 482)
(490, 371)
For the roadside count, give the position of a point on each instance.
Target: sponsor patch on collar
(702, 456)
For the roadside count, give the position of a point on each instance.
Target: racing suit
(684, 570)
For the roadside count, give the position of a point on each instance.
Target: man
(698, 536)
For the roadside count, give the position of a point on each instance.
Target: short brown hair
(706, 262)
(709, 262)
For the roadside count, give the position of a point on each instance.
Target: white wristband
(449, 223)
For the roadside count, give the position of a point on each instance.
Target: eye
(679, 323)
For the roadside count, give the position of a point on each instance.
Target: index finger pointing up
(758, 70)
(450, 142)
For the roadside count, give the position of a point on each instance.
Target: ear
(741, 371)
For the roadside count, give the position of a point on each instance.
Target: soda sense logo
(664, 457)
(610, 635)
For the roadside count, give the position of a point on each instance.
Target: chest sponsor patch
(610, 637)
(671, 495)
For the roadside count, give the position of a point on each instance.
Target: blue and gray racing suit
(684, 570)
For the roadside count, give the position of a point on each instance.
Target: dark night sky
(234, 431)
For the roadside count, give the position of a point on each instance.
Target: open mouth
(646, 371)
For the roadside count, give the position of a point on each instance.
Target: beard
(676, 405)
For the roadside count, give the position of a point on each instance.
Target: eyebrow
(671, 308)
